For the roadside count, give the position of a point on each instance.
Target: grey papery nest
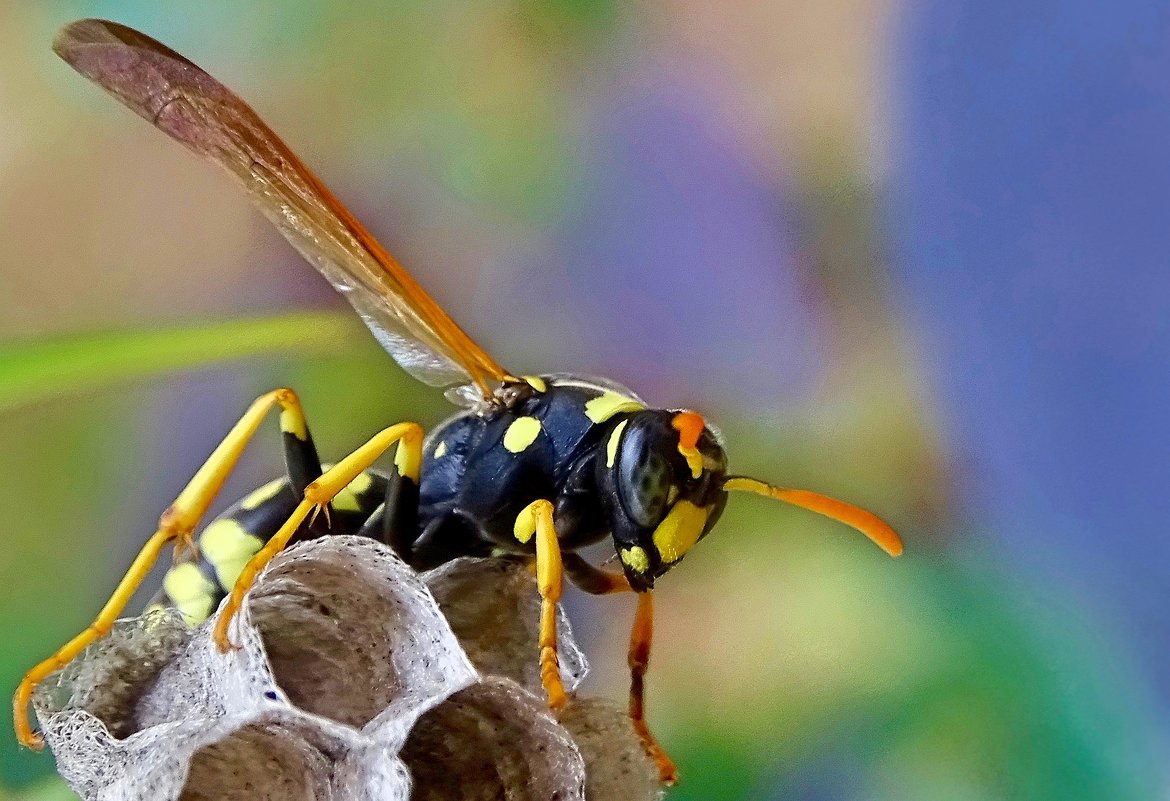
(351, 682)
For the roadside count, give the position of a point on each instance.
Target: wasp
(530, 466)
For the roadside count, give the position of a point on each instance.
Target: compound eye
(644, 480)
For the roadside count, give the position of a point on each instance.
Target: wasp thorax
(662, 474)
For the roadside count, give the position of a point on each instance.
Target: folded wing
(189, 105)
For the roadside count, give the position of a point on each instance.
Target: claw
(318, 509)
(185, 544)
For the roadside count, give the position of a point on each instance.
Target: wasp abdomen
(196, 587)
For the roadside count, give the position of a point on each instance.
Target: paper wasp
(535, 466)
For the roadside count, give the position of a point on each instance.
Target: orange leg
(639, 660)
(599, 582)
(407, 459)
(594, 580)
(177, 524)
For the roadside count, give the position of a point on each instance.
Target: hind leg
(177, 525)
(407, 460)
(396, 521)
(229, 541)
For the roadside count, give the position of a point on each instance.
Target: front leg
(537, 519)
(176, 525)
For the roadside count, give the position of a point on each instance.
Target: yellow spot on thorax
(612, 446)
(681, 529)
(441, 451)
(190, 591)
(635, 558)
(265, 493)
(536, 382)
(521, 433)
(609, 403)
(228, 546)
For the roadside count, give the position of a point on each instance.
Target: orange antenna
(866, 522)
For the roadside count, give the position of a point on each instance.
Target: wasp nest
(355, 678)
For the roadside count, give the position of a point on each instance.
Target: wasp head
(662, 480)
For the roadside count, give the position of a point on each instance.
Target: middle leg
(318, 494)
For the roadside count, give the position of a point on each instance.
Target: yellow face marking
(679, 530)
(441, 451)
(262, 494)
(635, 558)
(609, 403)
(694, 460)
(522, 433)
(294, 424)
(536, 382)
(612, 446)
(228, 546)
(190, 591)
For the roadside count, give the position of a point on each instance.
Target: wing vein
(203, 115)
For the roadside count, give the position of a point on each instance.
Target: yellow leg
(639, 659)
(407, 459)
(178, 522)
(184, 514)
(537, 518)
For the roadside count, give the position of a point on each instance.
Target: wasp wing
(186, 103)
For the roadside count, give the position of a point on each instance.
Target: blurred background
(911, 254)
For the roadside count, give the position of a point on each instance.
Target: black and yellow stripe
(196, 586)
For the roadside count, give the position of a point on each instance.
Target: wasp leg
(396, 522)
(318, 494)
(177, 523)
(639, 661)
(301, 462)
(599, 582)
(593, 580)
(537, 518)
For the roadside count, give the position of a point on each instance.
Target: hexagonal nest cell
(351, 681)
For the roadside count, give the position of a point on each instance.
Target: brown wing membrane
(189, 105)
